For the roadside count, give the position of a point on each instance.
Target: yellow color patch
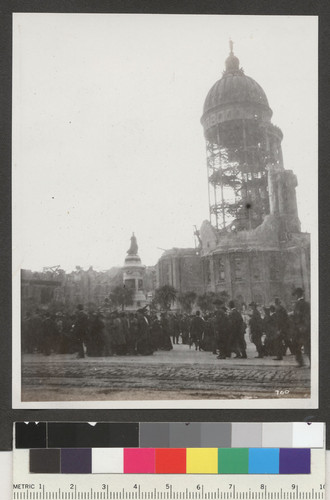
(202, 460)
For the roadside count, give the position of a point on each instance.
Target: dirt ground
(181, 374)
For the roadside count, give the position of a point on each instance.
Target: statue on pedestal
(133, 250)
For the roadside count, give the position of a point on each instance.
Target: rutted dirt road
(177, 374)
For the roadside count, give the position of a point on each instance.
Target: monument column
(133, 272)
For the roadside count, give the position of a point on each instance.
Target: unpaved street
(178, 374)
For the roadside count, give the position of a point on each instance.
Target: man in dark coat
(144, 342)
(221, 327)
(270, 330)
(256, 328)
(118, 340)
(184, 326)
(96, 335)
(49, 333)
(236, 327)
(166, 344)
(196, 330)
(302, 326)
(281, 321)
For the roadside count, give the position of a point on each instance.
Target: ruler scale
(93, 494)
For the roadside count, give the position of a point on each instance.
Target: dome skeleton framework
(252, 246)
(241, 142)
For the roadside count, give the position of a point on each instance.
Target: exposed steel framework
(241, 142)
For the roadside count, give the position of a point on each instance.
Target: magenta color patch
(139, 460)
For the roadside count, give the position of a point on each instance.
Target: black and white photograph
(165, 211)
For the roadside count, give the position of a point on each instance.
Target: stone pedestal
(133, 276)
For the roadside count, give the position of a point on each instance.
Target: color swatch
(76, 461)
(139, 461)
(295, 461)
(202, 461)
(30, 435)
(169, 435)
(107, 460)
(45, 461)
(233, 461)
(171, 461)
(264, 461)
(84, 435)
(169, 448)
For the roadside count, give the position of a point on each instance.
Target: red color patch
(170, 460)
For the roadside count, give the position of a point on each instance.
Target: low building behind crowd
(181, 268)
(54, 289)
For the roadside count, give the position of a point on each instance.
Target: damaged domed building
(252, 246)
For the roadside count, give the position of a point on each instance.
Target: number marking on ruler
(201, 494)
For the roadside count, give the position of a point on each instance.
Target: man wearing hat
(197, 327)
(302, 326)
(256, 329)
(282, 325)
(236, 342)
(221, 329)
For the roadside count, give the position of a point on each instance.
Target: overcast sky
(107, 137)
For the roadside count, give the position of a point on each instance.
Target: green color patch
(233, 460)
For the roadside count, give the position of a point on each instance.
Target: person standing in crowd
(269, 329)
(81, 330)
(184, 327)
(176, 329)
(125, 325)
(143, 345)
(166, 344)
(108, 322)
(302, 326)
(281, 322)
(171, 327)
(236, 326)
(196, 330)
(208, 335)
(155, 332)
(256, 329)
(118, 340)
(96, 335)
(67, 344)
(49, 334)
(221, 329)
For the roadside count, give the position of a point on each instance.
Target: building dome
(235, 96)
(235, 88)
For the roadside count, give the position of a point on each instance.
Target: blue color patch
(264, 460)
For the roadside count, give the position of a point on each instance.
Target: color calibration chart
(177, 460)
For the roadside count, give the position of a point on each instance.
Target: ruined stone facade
(181, 268)
(252, 246)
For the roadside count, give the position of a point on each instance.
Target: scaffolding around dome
(252, 247)
(241, 143)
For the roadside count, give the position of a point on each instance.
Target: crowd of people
(273, 330)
